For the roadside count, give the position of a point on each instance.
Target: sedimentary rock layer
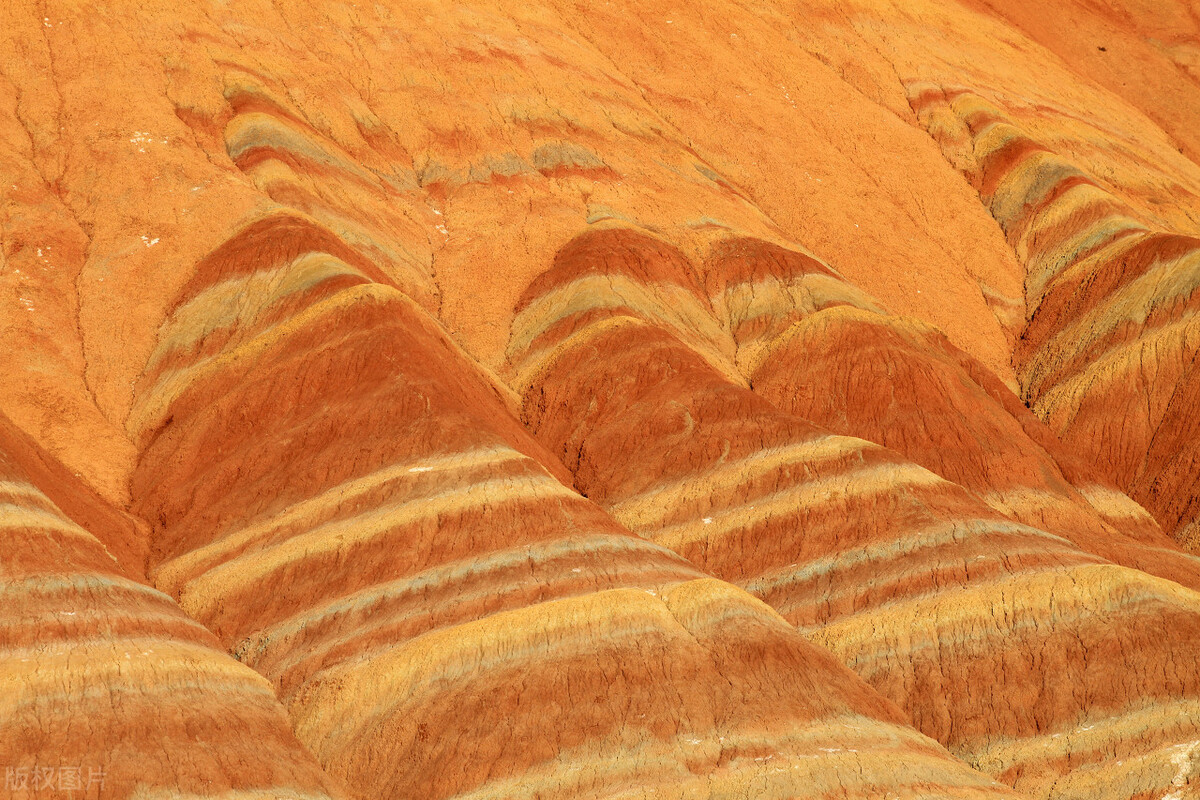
(374, 532)
(939, 600)
(281, 282)
(1107, 354)
(901, 384)
(107, 689)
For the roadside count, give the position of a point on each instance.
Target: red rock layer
(947, 606)
(903, 385)
(298, 167)
(342, 496)
(326, 480)
(107, 689)
(1144, 52)
(1107, 356)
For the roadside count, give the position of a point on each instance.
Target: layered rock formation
(344, 499)
(1107, 354)
(109, 689)
(941, 601)
(599, 400)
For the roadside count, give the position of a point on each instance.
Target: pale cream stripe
(653, 506)
(1028, 181)
(1175, 768)
(19, 489)
(81, 615)
(1081, 268)
(993, 136)
(828, 597)
(809, 759)
(1063, 398)
(1188, 537)
(171, 575)
(243, 298)
(152, 406)
(202, 596)
(788, 306)
(1044, 265)
(1109, 504)
(1090, 735)
(475, 569)
(602, 620)
(956, 532)
(533, 365)
(1043, 360)
(426, 663)
(26, 495)
(1113, 504)
(982, 612)
(1166, 770)
(14, 516)
(260, 129)
(874, 479)
(904, 327)
(1132, 303)
(51, 669)
(88, 584)
(752, 300)
(1023, 500)
(673, 305)
(1051, 172)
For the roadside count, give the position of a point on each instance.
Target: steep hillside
(540, 399)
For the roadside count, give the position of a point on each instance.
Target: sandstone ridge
(626, 400)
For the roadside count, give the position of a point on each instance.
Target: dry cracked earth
(715, 399)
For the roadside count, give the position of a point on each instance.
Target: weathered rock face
(374, 532)
(1108, 352)
(904, 386)
(557, 399)
(109, 689)
(945, 604)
